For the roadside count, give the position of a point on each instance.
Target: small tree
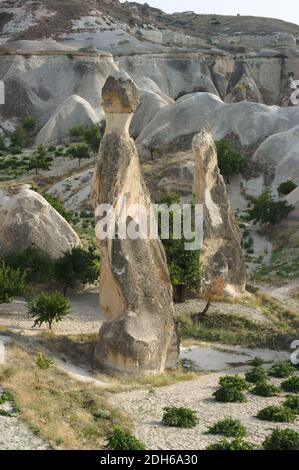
(29, 123)
(266, 210)
(183, 265)
(12, 283)
(40, 160)
(230, 162)
(92, 136)
(286, 188)
(36, 264)
(79, 264)
(210, 293)
(80, 151)
(47, 308)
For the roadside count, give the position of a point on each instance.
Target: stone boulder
(221, 254)
(75, 110)
(28, 220)
(139, 335)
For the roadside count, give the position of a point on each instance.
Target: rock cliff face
(221, 254)
(28, 220)
(139, 334)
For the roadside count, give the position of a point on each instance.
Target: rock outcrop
(139, 335)
(27, 219)
(221, 254)
(72, 112)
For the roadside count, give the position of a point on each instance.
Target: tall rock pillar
(221, 254)
(138, 335)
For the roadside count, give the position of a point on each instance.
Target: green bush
(38, 266)
(58, 206)
(230, 162)
(233, 380)
(47, 308)
(29, 123)
(277, 414)
(6, 397)
(78, 265)
(292, 402)
(282, 439)
(256, 362)
(12, 283)
(93, 136)
(179, 417)
(229, 394)
(236, 444)
(43, 362)
(228, 427)
(256, 375)
(286, 188)
(78, 151)
(291, 385)
(265, 389)
(266, 210)
(281, 370)
(120, 439)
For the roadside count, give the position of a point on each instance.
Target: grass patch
(179, 417)
(282, 439)
(236, 444)
(291, 385)
(277, 414)
(60, 409)
(43, 362)
(281, 370)
(228, 427)
(120, 439)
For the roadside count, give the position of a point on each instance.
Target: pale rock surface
(74, 111)
(27, 219)
(139, 334)
(221, 254)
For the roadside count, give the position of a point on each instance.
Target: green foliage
(179, 417)
(40, 160)
(43, 362)
(184, 267)
(19, 138)
(120, 439)
(292, 402)
(286, 188)
(58, 206)
(277, 414)
(6, 397)
(47, 308)
(284, 264)
(257, 375)
(37, 265)
(265, 389)
(234, 381)
(93, 136)
(281, 370)
(230, 162)
(266, 210)
(78, 264)
(291, 385)
(236, 444)
(256, 362)
(77, 131)
(229, 427)
(29, 123)
(79, 151)
(229, 394)
(12, 283)
(282, 439)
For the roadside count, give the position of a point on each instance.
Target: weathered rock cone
(139, 334)
(221, 254)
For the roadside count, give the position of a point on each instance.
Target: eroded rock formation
(139, 334)
(221, 254)
(28, 220)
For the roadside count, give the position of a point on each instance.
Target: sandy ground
(146, 408)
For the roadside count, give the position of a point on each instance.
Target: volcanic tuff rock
(221, 254)
(27, 219)
(139, 334)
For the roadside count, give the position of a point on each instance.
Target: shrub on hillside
(281, 370)
(266, 210)
(265, 389)
(256, 375)
(228, 427)
(179, 417)
(292, 402)
(282, 439)
(37, 265)
(236, 444)
(233, 380)
(291, 385)
(12, 283)
(58, 206)
(229, 394)
(286, 188)
(120, 439)
(48, 308)
(230, 161)
(277, 414)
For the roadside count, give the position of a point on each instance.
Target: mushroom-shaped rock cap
(120, 94)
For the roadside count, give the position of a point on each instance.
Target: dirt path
(146, 408)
